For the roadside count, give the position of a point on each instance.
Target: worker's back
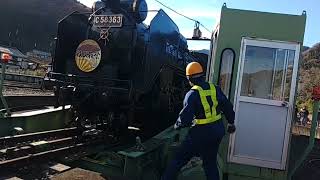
(203, 106)
(216, 128)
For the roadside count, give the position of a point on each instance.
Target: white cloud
(149, 17)
(88, 3)
(199, 45)
(196, 14)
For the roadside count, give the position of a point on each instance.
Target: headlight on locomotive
(140, 9)
(137, 8)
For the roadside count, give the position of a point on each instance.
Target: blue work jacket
(193, 107)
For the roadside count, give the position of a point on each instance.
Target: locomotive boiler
(117, 72)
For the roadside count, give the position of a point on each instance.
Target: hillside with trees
(309, 75)
(28, 24)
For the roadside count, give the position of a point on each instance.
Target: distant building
(34, 63)
(41, 59)
(39, 55)
(18, 58)
(35, 60)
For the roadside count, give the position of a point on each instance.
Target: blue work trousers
(200, 142)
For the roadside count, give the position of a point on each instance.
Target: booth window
(226, 67)
(267, 73)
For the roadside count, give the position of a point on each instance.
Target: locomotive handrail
(70, 79)
(91, 85)
(83, 77)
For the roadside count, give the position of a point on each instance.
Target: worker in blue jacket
(203, 106)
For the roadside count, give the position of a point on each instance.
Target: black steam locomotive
(118, 72)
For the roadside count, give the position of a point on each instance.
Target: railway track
(34, 146)
(22, 78)
(17, 142)
(22, 81)
(19, 153)
(18, 84)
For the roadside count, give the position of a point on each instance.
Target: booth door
(264, 101)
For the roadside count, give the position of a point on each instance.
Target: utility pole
(10, 41)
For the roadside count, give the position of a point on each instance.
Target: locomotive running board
(59, 79)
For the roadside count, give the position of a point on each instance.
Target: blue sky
(208, 12)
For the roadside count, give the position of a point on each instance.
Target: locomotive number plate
(107, 20)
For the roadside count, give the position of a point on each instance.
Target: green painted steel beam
(312, 137)
(35, 123)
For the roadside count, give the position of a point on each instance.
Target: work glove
(231, 128)
(177, 125)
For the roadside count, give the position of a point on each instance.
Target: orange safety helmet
(194, 68)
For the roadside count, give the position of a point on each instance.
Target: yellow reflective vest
(210, 112)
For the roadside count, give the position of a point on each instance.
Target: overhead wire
(196, 21)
